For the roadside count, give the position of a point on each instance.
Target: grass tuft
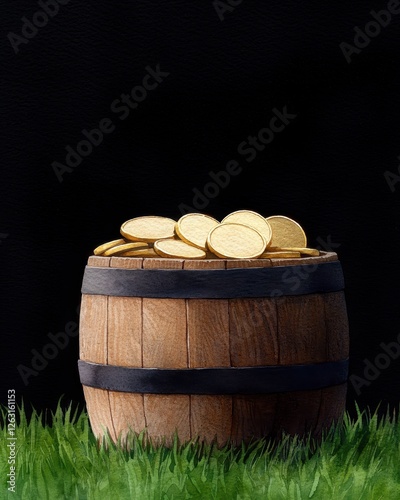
(356, 459)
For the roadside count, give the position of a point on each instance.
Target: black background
(325, 170)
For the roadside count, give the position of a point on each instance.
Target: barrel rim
(252, 282)
(280, 262)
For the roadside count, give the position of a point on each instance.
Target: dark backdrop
(223, 75)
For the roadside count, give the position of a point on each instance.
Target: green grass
(358, 459)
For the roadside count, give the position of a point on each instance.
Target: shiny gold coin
(236, 241)
(286, 232)
(140, 252)
(178, 249)
(105, 246)
(194, 228)
(280, 255)
(148, 228)
(126, 247)
(252, 219)
(312, 252)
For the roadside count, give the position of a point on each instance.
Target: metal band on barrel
(246, 380)
(215, 283)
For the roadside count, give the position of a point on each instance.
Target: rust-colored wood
(181, 333)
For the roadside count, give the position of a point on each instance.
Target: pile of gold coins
(240, 235)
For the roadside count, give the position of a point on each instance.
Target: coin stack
(243, 234)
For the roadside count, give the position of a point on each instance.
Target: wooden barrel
(225, 350)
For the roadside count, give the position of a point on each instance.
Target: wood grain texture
(337, 326)
(333, 399)
(211, 418)
(253, 342)
(208, 346)
(253, 325)
(297, 412)
(93, 335)
(302, 340)
(239, 263)
(301, 330)
(165, 346)
(98, 261)
(332, 407)
(208, 333)
(125, 349)
(253, 417)
(167, 415)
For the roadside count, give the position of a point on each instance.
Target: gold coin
(313, 252)
(252, 219)
(178, 249)
(139, 252)
(125, 247)
(286, 232)
(280, 255)
(105, 246)
(194, 228)
(148, 228)
(236, 241)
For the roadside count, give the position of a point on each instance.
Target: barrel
(224, 351)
